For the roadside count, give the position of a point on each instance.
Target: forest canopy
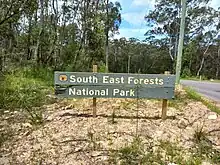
(73, 35)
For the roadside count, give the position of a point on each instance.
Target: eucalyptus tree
(11, 12)
(112, 13)
(165, 20)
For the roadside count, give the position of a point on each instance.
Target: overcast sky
(133, 12)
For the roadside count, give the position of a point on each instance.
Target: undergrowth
(165, 153)
(26, 89)
(179, 101)
(203, 147)
(138, 153)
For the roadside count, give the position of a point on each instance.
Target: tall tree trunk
(201, 66)
(129, 63)
(38, 49)
(217, 72)
(29, 38)
(170, 49)
(202, 62)
(53, 38)
(106, 39)
(83, 30)
(11, 39)
(218, 64)
(1, 59)
(176, 47)
(190, 62)
(106, 52)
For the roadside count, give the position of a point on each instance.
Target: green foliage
(26, 88)
(194, 78)
(145, 58)
(102, 68)
(204, 147)
(186, 73)
(52, 41)
(199, 135)
(200, 40)
(191, 51)
(192, 94)
(132, 154)
(45, 75)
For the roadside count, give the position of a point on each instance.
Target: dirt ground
(71, 136)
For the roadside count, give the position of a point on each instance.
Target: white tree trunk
(203, 60)
(218, 64)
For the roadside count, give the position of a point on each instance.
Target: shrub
(186, 73)
(25, 88)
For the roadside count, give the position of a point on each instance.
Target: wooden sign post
(164, 104)
(94, 99)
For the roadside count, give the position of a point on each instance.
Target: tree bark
(37, 53)
(170, 49)
(218, 64)
(201, 66)
(29, 38)
(83, 30)
(106, 52)
(129, 62)
(106, 40)
(2, 60)
(202, 62)
(53, 39)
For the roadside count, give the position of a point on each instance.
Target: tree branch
(6, 19)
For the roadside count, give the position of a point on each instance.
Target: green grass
(165, 152)
(26, 89)
(203, 146)
(137, 152)
(197, 79)
(192, 94)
